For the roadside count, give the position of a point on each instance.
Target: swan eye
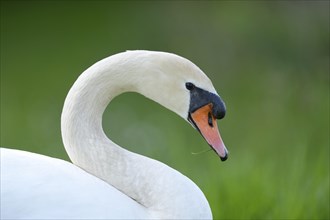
(190, 86)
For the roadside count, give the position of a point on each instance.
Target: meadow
(269, 61)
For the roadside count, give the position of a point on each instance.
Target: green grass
(268, 61)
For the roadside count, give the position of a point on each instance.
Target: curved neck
(145, 180)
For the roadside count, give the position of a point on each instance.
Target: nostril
(210, 120)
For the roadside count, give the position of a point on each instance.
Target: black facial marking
(200, 97)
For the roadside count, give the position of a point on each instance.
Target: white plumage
(106, 181)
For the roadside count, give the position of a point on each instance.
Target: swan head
(179, 85)
(204, 109)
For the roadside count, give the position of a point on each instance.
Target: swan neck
(141, 178)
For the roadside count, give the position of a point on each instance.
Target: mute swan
(105, 180)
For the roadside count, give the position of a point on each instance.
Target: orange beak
(206, 124)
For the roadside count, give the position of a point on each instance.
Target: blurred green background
(268, 60)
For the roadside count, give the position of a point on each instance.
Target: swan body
(76, 195)
(105, 181)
